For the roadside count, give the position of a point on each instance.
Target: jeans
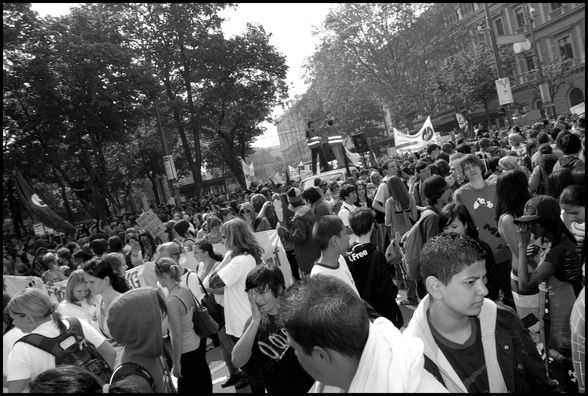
(196, 378)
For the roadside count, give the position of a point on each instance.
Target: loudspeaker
(360, 142)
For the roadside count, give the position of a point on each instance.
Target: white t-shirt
(26, 361)
(382, 192)
(8, 341)
(86, 311)
(342, 272)
(237, 308)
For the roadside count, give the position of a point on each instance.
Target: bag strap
(193, 296)
(546, 325)
(199, 281)
(52, 344)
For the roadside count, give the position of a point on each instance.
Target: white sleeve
(18, 366)
(233, 271)
(194, 285)
(91, 334)
(381, 193)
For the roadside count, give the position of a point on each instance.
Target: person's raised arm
(242, 349)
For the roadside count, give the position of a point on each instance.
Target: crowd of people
(485, 232)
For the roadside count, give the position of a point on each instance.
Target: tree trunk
(14, 208)
(237, 169)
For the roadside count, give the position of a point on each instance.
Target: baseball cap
(538, 207)
(294, 195)
(434, 184)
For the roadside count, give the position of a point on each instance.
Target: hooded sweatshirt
(390, 363)
(135, 321)
(300, 233)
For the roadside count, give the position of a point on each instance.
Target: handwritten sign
(56, 291)
(274, 253)
(151, 223)
(12, 284)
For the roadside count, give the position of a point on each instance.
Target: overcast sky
(291, 26)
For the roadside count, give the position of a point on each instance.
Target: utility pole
(496, 57)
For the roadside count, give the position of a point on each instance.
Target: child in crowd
(471, 343)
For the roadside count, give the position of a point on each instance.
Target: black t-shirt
(282, 373)
(467, 359)
(567, 266)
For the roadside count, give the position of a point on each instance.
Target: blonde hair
(34, 302)
(240, 239)
(166, 265)
(76, 278)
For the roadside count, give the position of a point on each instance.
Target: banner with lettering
(57, 291)
(151, 223)
(274, 252)
(142, 275)
(12, 284)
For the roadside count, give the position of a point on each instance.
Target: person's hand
(177, 370)
(523, 235)
(256, 314)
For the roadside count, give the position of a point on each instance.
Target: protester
(33, 312)
(328, 326)
(330, 234)
(189, 354)
(479, 197)
(134, 320)
(79, 300)
(299, 231)
(465, 334)
(264, 339)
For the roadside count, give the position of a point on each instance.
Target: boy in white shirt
(331, 236)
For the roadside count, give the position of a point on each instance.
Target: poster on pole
(151, 223)
(504, 91)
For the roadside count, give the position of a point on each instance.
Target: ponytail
(58, 319)
(119, 283)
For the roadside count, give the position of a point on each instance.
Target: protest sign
(274, 253)
(151, 223)
(142, 275)
(56, 291)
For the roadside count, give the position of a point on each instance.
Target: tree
(555, 76)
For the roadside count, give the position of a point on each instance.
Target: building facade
(292, 136)
(559, 30)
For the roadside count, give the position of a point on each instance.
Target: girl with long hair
(32, 311)
(79, 300)
(189, 354)
(105, 281)
(511, 195)
(243, 254)
(400, 208)
(134, 257)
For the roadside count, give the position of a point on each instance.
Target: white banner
(503, 90)
(142, 275)
(274, 252)
(13, 283)
(57, 291)
(426, 135)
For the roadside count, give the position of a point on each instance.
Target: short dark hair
(266, 275)
(362, 220)
(311, 194)
(542, 137)
(115, 244)
(443, 155)
(66, 379)
(99, 246)
(463, 148)
(346, 190)
(420, 165)
(568, 142)
(326, 312)
(325, 228)
(448, 254)
(432, 147)
(574, 194)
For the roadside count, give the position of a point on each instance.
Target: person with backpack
(539, 179)
(438, 194)
(33, 312)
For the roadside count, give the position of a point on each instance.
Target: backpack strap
(51, 344)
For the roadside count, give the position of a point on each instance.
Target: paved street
(219, 372)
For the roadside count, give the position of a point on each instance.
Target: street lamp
(496, 55)
(543, 86)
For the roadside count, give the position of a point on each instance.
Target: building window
(520, 17)
(565, 48)
(458, 13)
(576, 96)
(555, 6)
(530, 61)
(499, 27)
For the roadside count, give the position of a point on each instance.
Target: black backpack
(130, 369)
(81, 353)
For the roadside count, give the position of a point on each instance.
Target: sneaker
(408, 302)
(232, 380)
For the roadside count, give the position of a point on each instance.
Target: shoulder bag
(204, 324)
(214, 309)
